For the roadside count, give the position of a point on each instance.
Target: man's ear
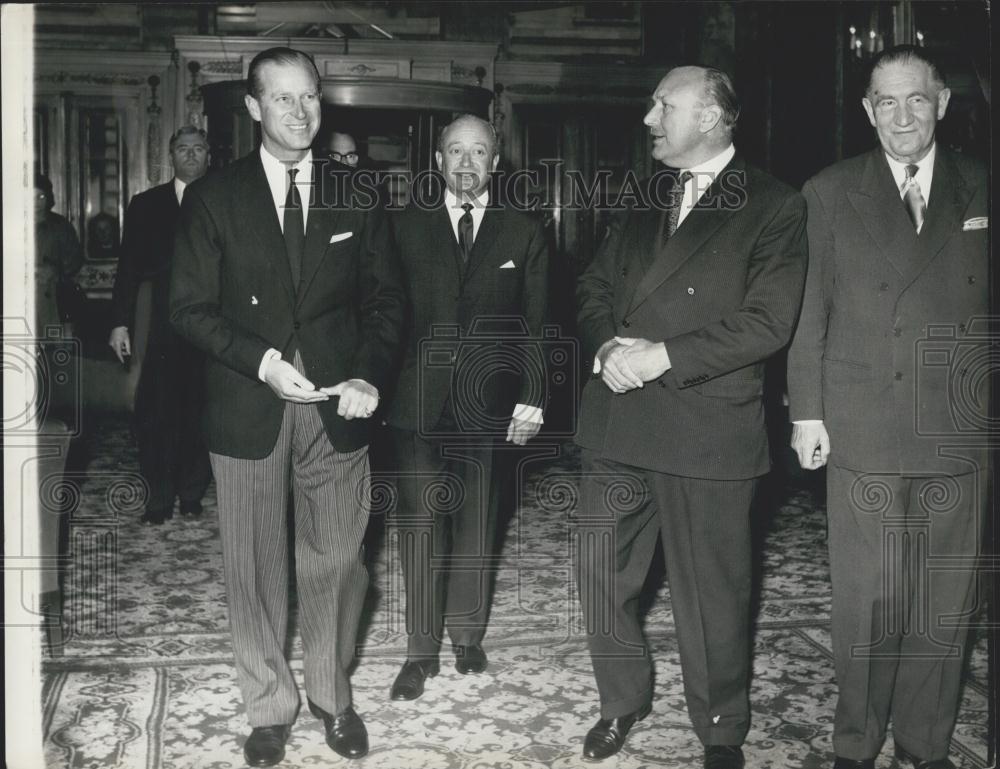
(870, 110)
(439, 159)
(253, 106)
(710, 117)
(942, 102)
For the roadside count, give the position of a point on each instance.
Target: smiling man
(679, 311)
(479, 272)
(898, 262)
(298, 308)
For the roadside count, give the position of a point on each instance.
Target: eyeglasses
(349, 157)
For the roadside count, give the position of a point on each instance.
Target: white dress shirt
(702, 176)
(179, 189)
(276, 172)
(522, 411)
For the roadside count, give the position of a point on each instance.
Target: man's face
(343, 149)
(467, 158)
(288, 109)
(190, 157)
(674, 119)
(41, 204)
(904, 106)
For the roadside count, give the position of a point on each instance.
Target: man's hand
(120, 342)
(520, 431)
(615, 370)
(289, 385)
(811, 444)
(358, 399)
(647, 359)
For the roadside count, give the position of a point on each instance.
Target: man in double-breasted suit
(173, 459)
(887, 387)
(685, 300)
(476, 276)
(296, 299)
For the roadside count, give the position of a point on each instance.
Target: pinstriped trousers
(331, 502)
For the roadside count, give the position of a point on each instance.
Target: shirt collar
(179, 189)
(480, 201)
(272, 164)
(899, 169)
(714, 165)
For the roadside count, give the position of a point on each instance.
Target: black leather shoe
(608, 736)
(469, 659)
(190, 509)
(345, 733)
(853, 763)
(266, 745)
(903, 755)
(157, 517)
(723, 757)
(409, 684)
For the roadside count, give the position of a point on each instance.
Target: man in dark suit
(476, 275)
(682, 305)
(173, 458)
(898, 268)
(294, 305)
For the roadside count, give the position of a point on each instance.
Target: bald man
(684, 302)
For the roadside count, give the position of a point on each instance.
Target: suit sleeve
(128, 275)
(595, 294)
(536, 292)
(763, 323)
(805, 356)
(382, 304)
(196, 291)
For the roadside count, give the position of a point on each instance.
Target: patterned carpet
(146, 680)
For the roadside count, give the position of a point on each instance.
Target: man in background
(898, 267)
(170, 396)
(342, 148)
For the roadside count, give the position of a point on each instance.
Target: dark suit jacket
(723, 295)
(146, 251)
(863, 358)
(231, 294)
(478, 327)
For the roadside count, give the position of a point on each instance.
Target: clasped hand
(626, 364)
(358, 399)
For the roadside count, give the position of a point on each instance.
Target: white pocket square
(340, 237)
(508, 265)
(976, 223)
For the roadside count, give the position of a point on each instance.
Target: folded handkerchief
(976, 223)
(508, 265)
(340, 237)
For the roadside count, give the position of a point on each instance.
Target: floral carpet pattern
(146, 679)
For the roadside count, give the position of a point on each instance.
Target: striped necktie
(916, 206)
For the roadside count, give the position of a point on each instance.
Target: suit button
(626, 324)
(898, 376)
(661, 383)
(961, 327)
(296, 325)
(897, 332)
(624, 272)
(690, 290)
(972, 279)
(883, 287)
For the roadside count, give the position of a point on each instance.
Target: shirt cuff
(807, 421)
(270, 355)
(528, 413)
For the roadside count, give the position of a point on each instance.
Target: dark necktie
(916, 206)
(292, 224)
(674, 206)
(465, 238)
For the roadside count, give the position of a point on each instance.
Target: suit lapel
(259, 205)
(949, 200)
(319, 227)
(700, 224)
(878, 204)
(489, 229)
